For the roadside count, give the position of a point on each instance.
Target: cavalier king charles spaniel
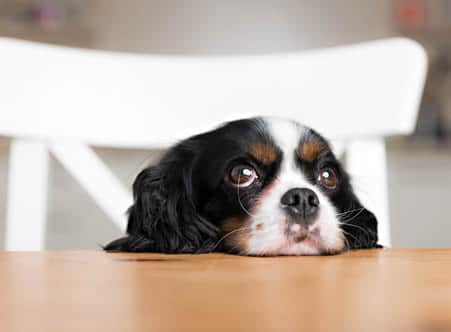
(259, 186)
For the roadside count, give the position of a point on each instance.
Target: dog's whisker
(265, 231)
(347, 241)
(354, 225)
(349, 211)
(240, 229)
(346, 220)
(364, 232)
(228, 234)
(242, 206)
(239, 200)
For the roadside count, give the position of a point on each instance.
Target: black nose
(300, 203)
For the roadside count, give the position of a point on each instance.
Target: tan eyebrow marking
(265, 153)
(310, 150)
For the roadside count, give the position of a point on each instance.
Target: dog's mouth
(301, 240)
(297, 233)
(283, 235)
(294, 239)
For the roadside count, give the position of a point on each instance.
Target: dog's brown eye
(328, 177)
(242, 175)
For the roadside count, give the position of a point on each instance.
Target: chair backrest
(66, 99)
(100, 98)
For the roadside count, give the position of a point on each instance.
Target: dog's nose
(301, 203)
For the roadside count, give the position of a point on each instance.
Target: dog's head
(261, 186)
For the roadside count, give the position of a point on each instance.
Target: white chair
(63, 100)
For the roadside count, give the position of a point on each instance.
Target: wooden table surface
(374, 290)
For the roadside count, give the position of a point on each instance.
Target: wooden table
(375, 290)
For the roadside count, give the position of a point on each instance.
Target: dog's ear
(358, 223)
(360, 227)
(163, 217)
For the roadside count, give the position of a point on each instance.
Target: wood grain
(374, 290)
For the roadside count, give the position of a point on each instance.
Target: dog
(259, 187)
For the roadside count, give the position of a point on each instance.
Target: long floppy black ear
(163, 217)
(360, 227)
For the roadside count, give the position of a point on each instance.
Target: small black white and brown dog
(258, 186)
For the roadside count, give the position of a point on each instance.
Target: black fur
(180, 203)
(163, 217)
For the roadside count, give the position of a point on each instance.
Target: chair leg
(367, 165)
(27, 195)
(96, 178)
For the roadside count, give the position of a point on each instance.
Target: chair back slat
(102, 98)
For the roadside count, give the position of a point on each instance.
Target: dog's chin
(307, 247)
(290, 239)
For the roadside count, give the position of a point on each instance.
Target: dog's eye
(328, 177)
(242, 175)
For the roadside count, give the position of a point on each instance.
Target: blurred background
(419, 180)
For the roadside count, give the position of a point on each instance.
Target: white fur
(270, 238)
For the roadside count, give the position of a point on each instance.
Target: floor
(419, 188)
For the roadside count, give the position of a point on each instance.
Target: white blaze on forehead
(287, 135)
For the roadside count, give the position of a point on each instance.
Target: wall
(233, 26)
